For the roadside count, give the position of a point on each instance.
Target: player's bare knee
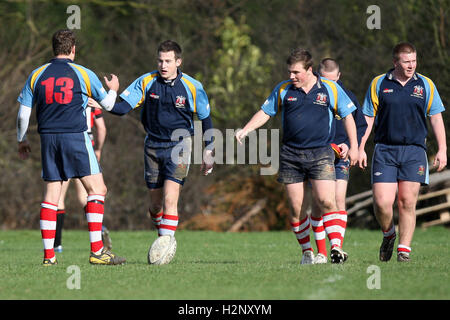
(406, 204)
(100, 189)
(327, 205)
(340, 204)
(383, 207)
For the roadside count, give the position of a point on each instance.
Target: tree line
(237, 48)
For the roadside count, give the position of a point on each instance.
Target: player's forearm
(258, 120)
(361, 126)
(100, 139)
(366, 135)
(121, 108)
(206, 125)
(437, 124)
(350, 129)
(108, 102)
(23, 120)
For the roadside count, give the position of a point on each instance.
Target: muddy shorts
(166, 163)
(298, 165)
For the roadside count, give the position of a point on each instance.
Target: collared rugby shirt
(308, 118)
(167, 105)
(59, 90)
(400, 111)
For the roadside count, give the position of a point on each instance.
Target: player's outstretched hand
(94, 104)
(353, 155)
(240, 135)
(24, 150)
(362, 160)
(440, 160)
(344, 151)
(207, 163)
(112, 84)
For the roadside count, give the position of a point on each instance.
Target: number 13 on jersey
(63, 95)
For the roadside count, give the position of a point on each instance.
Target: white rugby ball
(162, 250)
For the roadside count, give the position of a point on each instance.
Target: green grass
(223, 266)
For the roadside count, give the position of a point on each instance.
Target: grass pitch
(224, 266)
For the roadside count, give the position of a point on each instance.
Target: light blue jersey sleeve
(371, 102)
(367, 107)
(275, 99)
(198, 99)
(135, 93)
(98, 93)
(26, 95)
(434, 104)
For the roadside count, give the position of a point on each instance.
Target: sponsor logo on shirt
(180, 102)
(388, 90)
(321, 99)
(290, 99)
(154, 96)
(417, 92)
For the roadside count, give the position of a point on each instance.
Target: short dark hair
(328, 65)
(300, 55)
(170, 45)
(402, 47)
(63, 41)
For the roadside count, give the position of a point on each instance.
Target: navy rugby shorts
(342, 168)
(391, 163)
(67, 155)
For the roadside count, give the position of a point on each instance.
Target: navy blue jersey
(400, 111)
(59, 90)
(361, 124)
(167, 105)
(308, 118)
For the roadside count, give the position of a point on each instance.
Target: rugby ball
(162, 250)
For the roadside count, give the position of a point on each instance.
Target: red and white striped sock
(168, 225)
(48, 228)
(301, 230)
(403, 248)
(335, 224)
(390, 233)
(156, 218)
(94, 215)
(319, 235)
